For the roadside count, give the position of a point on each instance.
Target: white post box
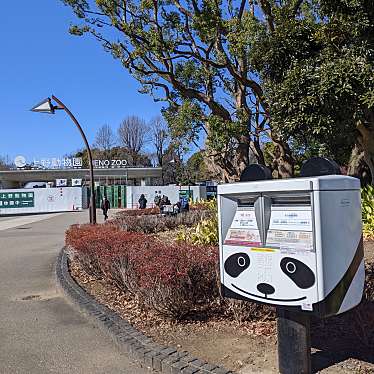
(294, 242)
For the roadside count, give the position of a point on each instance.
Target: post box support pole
(294, 355)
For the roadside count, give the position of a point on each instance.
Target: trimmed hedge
(152, 223)
(174, 280)
(138, 212)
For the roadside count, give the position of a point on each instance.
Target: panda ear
(298, 272)
(236, 264)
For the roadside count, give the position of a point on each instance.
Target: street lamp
(46, 106)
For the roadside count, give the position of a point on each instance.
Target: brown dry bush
(150, 223)
(242, 311)
(137, 212)
(363, 315)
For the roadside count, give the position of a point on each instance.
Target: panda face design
(286, 276)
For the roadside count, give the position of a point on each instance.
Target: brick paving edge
(138, 346)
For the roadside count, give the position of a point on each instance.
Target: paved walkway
(14, 221)
(40, 332)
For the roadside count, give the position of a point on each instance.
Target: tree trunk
(366, 141)
(283, 163)
(257, 151)
(228, 166)
(355, 161)
(231, 166)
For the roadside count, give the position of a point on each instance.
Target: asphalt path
(40, 331)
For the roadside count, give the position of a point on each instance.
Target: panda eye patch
(298, 272)
(236, 264)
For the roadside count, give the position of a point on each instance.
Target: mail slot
(295, 243)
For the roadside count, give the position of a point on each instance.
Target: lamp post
(46, 106)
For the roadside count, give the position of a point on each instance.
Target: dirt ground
(250, 347)
(369, 251)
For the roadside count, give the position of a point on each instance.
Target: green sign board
(188, 194)
(17, 200)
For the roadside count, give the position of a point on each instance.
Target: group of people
(163, 201)
(180, 206)
(160, 201)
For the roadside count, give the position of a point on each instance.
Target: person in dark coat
(105, 206)
(142, 202)
(164, 201)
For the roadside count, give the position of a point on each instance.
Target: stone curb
(130, 340)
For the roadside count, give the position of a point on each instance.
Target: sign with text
(76, 182)
(59, 163)
(50, 163)
(68, 163)
(109, 164)
(61, 182)
(17, 200)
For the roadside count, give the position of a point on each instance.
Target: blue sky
(39, 58)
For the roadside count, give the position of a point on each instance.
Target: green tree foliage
(241, 73)
(367, 199)
(197, 169)
(196, 57)
(318, 74)
(173, 166)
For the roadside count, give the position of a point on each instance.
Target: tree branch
(266, 8)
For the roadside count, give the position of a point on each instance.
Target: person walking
(142, 202)
(105, 206)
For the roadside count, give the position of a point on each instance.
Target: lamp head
(44, 106)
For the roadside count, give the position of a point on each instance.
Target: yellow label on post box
(255, 249)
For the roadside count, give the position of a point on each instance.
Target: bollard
(294, 355)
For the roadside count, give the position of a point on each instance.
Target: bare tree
(4, 163)
(160, 138)
(105, 139)
(132, 134)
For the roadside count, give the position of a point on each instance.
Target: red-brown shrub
(175, 279)
(172, 279)
(101, 248)
(138, 212)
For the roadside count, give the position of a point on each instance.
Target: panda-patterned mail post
(294, 243)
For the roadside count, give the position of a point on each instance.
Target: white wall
(46, 200)
(199, 192)
(172, 192)
(133, 194)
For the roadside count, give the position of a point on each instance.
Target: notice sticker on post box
(244, 230)
(300, 220)
(242, 237)
(290, 241)
(290, 230)
(244, 219)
